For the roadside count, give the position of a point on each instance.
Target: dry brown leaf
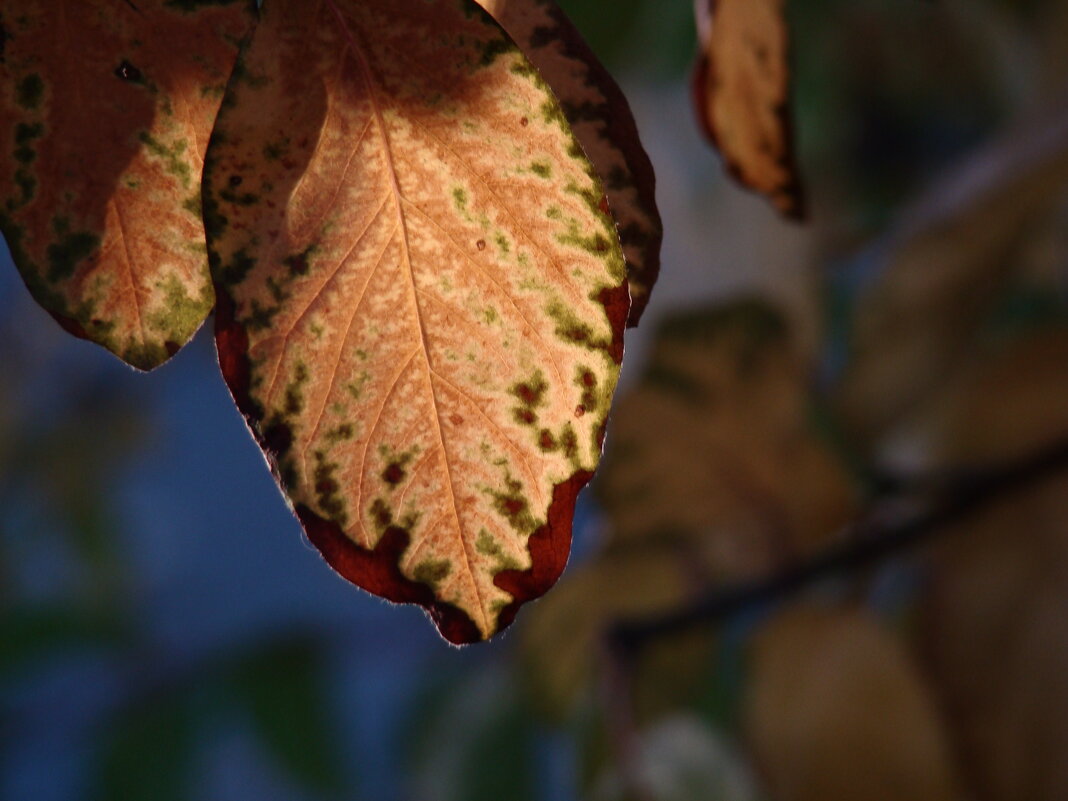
(421, 298)
(835, 711)
(603, 124)
(741, 89)
(942, 268)
(107, 108)
(715, 446)
(994, 633)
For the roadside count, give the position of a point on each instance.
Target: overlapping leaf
(107, 108)
(741, 88)
(421, 301)
(603, 124)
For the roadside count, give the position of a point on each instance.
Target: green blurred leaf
(148, 753)
(609, 42)
(282, 687)
(30, 633)
(473, 739)
(643, 36)
(500, 764)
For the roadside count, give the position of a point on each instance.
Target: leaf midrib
(356, 46)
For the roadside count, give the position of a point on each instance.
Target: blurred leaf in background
(718, 449)
(835, 709)
(993, 619)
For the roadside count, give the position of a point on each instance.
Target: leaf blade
(604, 125)
(741, 93)
(437, 459)
(99, 177)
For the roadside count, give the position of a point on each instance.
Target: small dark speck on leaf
(524, 122)
(127, 71)
(394, 474)
(481, 244)
(580, 410)
(236, 180)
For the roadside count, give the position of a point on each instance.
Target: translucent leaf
(741, 90)
(107, 108)
(422, 299)
(835, 710)
(603, 124)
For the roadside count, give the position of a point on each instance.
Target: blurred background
(166, 632)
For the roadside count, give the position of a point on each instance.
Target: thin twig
(867, 542)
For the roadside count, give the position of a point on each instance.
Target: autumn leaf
(929, 285)
(107, 110)
(834, 709)
(601, 120)
(422, 299)
(715, 448)
(992, 618)
(741, 91)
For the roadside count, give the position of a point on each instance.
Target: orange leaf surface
(421, 299)
(107, 108)
(603, 124)
(741, 90)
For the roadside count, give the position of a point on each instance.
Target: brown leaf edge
(620, 128)
(376, 570)
(790, 200)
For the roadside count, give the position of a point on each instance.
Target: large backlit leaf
(742, 95)
(603, 124)
(835, 710)
(421, 298)
(107, 107)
